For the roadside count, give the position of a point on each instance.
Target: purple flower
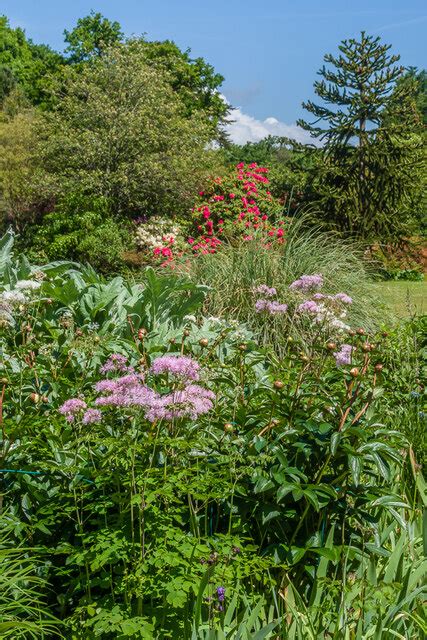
(179, 366)
(220, 592)
(92, 416)
(116, 362)
(71, 407)
(309, 306)
(344, 298)
(270, 306)
(343, 356)
(126, 391)
(189, 402)
(276, 307)
(308, 283)
(269, 292)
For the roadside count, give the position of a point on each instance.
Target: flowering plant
(238, 204)
(160, 237)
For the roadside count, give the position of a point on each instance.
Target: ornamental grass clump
(235, 272)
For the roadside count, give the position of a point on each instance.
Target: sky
(269, 52)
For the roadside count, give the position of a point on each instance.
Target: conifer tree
(370, 130)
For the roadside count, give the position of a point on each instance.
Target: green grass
(404, 298)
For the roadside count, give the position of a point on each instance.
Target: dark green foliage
(91, 36)
(26, 63)
(368, 181)
(81, 228)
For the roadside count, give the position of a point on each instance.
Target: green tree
(193, 79)
(120, 132)
(368, 176)
(25, 63)
(92, 35)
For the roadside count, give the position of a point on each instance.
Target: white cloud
(246, 128)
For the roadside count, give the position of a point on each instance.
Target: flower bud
(304, 358)
(228, 427)
(79, 332)
(186, 333)
(351, 332)
(243, 347)
(278, 384)
(4, 381)
(203, 342)
(366, 346)
(379, 367)
(142, 333)
(354, 372)
(290, 339)
(361, 331)
(331, 346)
(34, 397)
(274, 422)
(45, 399)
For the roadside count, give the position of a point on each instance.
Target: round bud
(379, 367)
(290, 339)
(305, 358)
(172, 341)
(366, 347)
(384, 334)
(203, 342)
(79, 332)
(351, 332)
(361, 331)
(45, 399)
(142, 333)
(274, 422)
(331, 346)
(228, 427)
(278, 384)
(243, 347)
(34, 397)
(186, 333)
(4, 381)
(354, 372)
(48, 300)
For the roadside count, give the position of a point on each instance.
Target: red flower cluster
(234, 206)
(237, 206)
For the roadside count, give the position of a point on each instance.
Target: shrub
(81, 228)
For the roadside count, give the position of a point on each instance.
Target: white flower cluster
(332, 318)
(156, 233)
(12, 298)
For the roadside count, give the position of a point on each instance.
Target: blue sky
(269, 52)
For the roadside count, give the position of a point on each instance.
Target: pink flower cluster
(343, 356)
(178, 366)
(270, 306)
(267, 305)
(75, 406)
(116, 362)
(307, 283)
(308, 306)
(265, 290)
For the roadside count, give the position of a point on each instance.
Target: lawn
(405, 298)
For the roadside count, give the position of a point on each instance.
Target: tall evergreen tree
(370, 129)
